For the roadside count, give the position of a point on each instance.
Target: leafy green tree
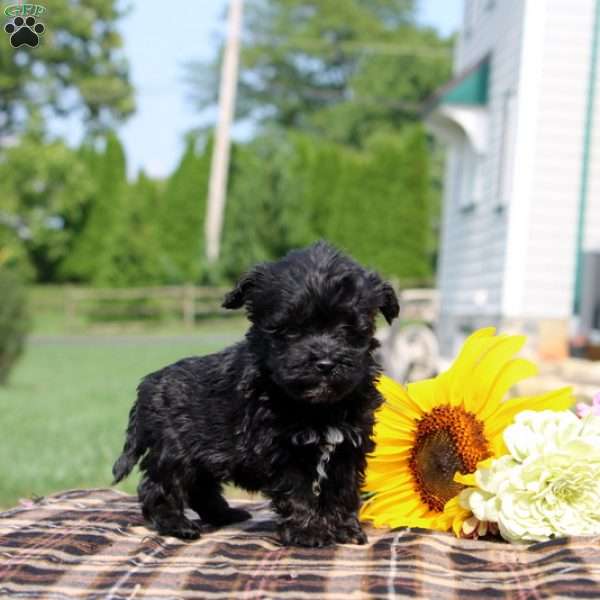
(45, 188)
(337, 69)
(78, 66)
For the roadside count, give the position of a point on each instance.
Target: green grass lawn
(64, 413)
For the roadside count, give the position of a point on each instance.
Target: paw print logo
(24, 32)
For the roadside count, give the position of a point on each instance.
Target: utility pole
(217, 186)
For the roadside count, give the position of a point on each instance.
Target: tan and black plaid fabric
(93, 544)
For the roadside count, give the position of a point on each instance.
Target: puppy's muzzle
(324, 366)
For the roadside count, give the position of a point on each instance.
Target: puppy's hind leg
(206, 498)
(165, 511)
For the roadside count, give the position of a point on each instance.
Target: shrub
(14, 322)
(289, 189)
(380, 209)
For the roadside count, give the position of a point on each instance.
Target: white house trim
(513, 293)
(451, 122)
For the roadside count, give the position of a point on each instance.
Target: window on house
(507, 149)
(477, 181)
(468, 26)
(467, 176)
(472, 13)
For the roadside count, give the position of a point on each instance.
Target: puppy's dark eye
(354, 334)
(291, 332)
(357, 336)
(284, 331)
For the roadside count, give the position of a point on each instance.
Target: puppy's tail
(132, 451)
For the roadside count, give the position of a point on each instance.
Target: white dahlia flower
(549, 483)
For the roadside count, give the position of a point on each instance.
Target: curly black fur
(287, 412)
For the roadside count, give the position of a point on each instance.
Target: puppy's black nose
(325, 365)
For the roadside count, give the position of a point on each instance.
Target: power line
(374, 47)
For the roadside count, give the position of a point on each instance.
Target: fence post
(189, 305)
(70, 307)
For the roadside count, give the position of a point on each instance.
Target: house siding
(472, 257)
(510, 260)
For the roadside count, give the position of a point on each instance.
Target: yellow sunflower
(435, 429)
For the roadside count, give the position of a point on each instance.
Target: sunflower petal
(374, 479)
(497, 445)
(387, 452)
(397, 397)
(393, 456)
(375, 465)
(389, 483)
(512, 372)
(396, 516)
(403, 418)
(474, 346)
(457, 513)
(427, 393)
(468, 479)
(408, 522)
(390, 426)
(561, 399)
(392, 505)
(486, 371)
(400, 442)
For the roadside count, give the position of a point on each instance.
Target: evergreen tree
(182, 214)
(92, 258)
(380, 211)
(255, 229)
(133, 258)
(289, 190)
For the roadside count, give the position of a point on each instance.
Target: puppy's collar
(327, 442)
(332, 435)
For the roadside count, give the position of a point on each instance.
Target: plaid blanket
(93, 544)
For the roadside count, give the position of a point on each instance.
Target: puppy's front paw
(311, 538)
(351, 534)
(184, 529)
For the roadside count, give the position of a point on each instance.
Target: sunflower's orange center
(448, 439)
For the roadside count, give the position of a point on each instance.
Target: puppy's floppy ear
(385, 296)
(388, 306)
(240, 294)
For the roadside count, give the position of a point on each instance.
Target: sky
(159, 42)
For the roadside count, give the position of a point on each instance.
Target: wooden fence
(189, 302)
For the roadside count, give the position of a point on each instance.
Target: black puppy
(288, 411)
